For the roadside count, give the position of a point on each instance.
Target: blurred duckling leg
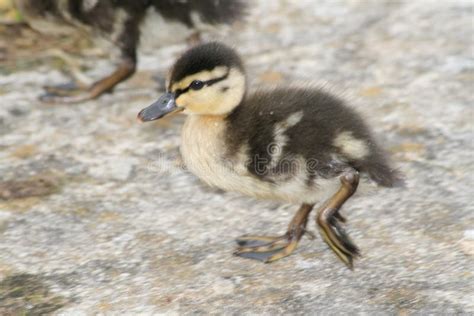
(328, 220)
(65, 89)
(268, 249)
(73, 94)
(80, 80)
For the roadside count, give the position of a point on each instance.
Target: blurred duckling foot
(272, 248)
(64, 89)
(70, 92)
(65, 96)
(73, 93)
(329, 220)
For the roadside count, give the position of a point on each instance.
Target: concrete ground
(95, 217)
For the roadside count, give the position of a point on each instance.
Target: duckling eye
(196, 85)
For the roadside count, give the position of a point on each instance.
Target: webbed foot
(330, 221)
(272, 248)
(266, 249)
(70, 92)
(73, 93)
(338, 240)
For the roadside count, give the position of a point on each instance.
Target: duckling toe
(64, 89)
(70, 92)
(339, 217)
(339, 241)
(256, 241)
(49, 98)
(276, 245)
(52, 98)
(266, 249)
(259, 256)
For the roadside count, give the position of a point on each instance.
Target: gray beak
(164, 105)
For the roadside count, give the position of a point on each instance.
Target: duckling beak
(164, 105)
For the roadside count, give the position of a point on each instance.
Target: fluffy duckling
(298, 145)
(121, 23)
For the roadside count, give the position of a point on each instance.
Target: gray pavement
(117, 227)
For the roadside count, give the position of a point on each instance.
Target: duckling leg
(65, 89)
(127, 42)
(268, 249)
(74, 94)
(328, 219)
(80, 81)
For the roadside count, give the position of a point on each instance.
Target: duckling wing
(287, 133)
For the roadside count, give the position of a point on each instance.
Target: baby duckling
(121, 24)
(298, 145)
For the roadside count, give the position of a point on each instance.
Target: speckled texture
(126, 230)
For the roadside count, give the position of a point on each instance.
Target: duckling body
(288, 144)
(121, 25)
(298, 145)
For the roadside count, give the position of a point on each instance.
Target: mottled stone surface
(126, 230)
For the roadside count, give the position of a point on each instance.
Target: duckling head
(208, 79)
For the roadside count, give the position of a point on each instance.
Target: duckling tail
(215, 12)
(384, 175)
(210, 11)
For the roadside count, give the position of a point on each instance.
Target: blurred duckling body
(298, 145)
(120, 25)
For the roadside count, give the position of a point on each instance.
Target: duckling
(121, 23)
(291, 144)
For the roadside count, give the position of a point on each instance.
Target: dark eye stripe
(216, 80)
(206, 83)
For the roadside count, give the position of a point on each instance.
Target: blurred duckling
(297, 145)
(121, 23)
